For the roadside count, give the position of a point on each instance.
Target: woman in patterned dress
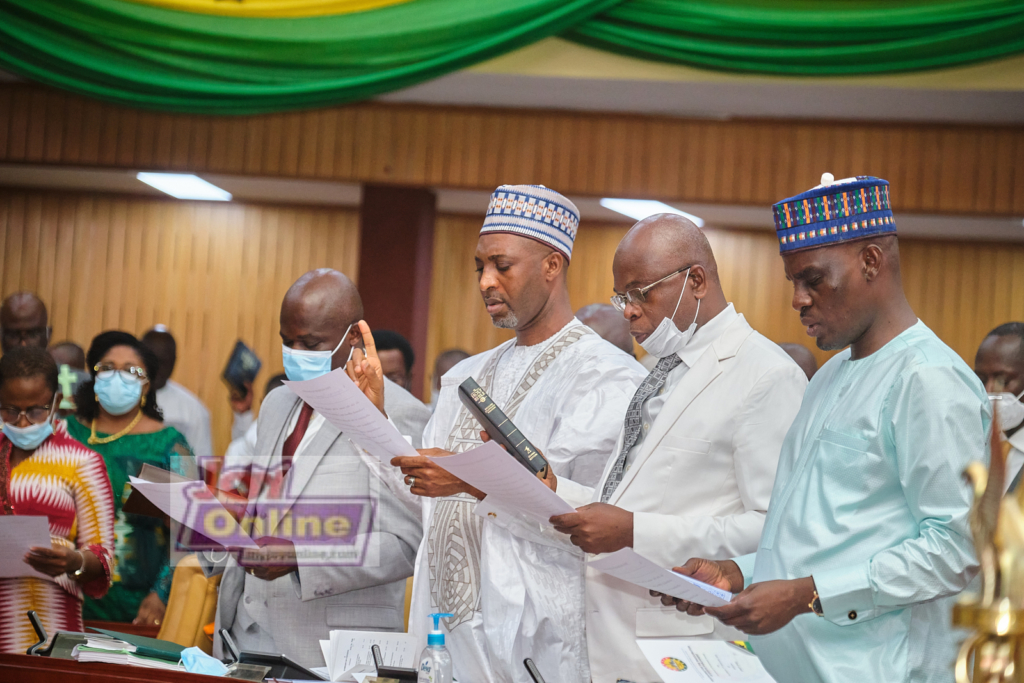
(117, 416)
(44, 472)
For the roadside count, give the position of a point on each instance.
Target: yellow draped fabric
(271, 8)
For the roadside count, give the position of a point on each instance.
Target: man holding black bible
(565, 388)
(695, 459)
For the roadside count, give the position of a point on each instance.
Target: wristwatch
(815, 605)
(77, 574)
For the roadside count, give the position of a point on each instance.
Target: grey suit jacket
(301, 608)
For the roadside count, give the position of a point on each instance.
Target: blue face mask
(29, 438)
(117, 395)
(198, 662)
(300, 366)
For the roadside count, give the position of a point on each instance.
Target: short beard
(830, 346)
(507, 322)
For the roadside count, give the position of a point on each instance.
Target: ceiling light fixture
(640, 209)
(185, 186)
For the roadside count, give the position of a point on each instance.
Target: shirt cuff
(573, 493)
(846, 594)
(746, 565)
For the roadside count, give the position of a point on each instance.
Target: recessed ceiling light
(640, 209)
(185, 186)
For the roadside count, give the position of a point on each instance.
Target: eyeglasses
(35, 414)
(636, 295)
(132, 373)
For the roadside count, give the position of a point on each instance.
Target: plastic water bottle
(435, 662)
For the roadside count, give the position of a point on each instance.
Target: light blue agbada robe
(870, 501)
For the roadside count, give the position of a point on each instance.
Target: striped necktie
(634, 418)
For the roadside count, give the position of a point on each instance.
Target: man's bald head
(23, 321)
(803, 357)
(665, 240)
(316, 312)
(608, 323)
(657, 247)
(68, 353)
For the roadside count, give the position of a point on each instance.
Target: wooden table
(25, 669)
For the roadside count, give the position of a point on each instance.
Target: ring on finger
(410, 480)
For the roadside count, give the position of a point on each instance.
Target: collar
(706, 335)
(1017, 440)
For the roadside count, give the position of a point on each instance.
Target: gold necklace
(93, 439)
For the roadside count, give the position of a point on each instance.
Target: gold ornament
(995, 649)
(93, 439)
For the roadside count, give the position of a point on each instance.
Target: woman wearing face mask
(117, 416)
(44, 472)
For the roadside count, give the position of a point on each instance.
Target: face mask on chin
(667, 338)
(301, 366)
(1010, 409)
(29, 438)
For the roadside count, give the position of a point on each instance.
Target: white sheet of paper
(338, 399)
(498, 474)
(629, 566)
(325, 648)
(18, 534)
(703, 661)
(351, 650)
(172, 499)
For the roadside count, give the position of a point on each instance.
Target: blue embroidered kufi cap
(834, 212)
(536, 212)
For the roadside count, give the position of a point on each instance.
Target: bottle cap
(436, 637)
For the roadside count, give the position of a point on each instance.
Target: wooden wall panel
(211, 272)
(959, 289)
(933, 168)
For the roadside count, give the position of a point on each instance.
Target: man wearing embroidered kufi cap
(565, 388)
(866, 541)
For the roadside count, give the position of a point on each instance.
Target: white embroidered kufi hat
(536, 212)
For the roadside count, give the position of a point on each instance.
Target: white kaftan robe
(515, 598)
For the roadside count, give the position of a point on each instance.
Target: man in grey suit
(286, 599)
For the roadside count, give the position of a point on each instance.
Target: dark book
(147, 647)
(243, 366)
(500, 428)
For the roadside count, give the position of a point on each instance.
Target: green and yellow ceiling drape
(250, 56)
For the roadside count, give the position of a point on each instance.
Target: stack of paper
(111, 651)
(349, 658)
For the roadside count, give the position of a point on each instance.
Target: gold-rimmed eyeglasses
(637, 294)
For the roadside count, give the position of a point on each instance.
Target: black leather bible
(243, 366)
(500, 428)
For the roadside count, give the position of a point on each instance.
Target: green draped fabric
(179, 61)
(169, 60)
(815, 37)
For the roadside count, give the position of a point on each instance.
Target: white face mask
(1011, 410)
(667, 338)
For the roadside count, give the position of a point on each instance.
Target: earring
(143, 404)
